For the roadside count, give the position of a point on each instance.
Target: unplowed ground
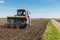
(56, 24)
(35, 32)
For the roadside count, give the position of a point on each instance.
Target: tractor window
(19, 13)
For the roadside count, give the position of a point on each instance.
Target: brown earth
(35, 32)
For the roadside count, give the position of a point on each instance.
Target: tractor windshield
(20, 12)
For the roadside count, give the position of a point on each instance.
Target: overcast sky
(38, 8)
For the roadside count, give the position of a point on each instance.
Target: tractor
(20, 20)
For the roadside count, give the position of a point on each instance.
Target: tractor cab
(21, 12)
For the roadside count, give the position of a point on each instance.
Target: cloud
(2, 1)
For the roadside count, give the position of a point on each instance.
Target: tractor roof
(21, 10)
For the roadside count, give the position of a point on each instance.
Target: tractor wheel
(23, 26)
(8, 26)
(14, 26)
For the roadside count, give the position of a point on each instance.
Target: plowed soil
(35, 32)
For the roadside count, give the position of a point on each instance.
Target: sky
(37, 8)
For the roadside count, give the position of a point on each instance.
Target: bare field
(35, 32)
